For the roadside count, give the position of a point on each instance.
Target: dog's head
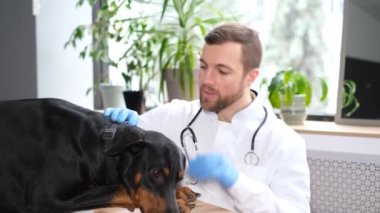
(151, 165)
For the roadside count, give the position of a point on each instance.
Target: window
(304, 35)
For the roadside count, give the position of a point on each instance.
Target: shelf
(331, 128)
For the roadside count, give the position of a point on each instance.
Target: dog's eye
(156, 173)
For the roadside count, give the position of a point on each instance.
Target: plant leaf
(325, 90)
(163, 10)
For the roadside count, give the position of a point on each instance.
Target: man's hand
(214, 167)
(122, 115)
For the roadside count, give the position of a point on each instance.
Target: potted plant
(155, 43)
(141, 59)
(291, 92)
(134, 32)
(186, 23)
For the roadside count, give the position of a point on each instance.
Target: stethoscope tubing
(250, 157)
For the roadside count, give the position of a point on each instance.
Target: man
(229, 122)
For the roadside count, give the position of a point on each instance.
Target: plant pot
(135, 100)
(295, 114)
(174, 89)
(112, 95)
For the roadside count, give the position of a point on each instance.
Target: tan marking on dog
(122, 199)
(148, 202)
(166, 171)
(138, 178)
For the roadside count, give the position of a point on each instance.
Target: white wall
(60, 72)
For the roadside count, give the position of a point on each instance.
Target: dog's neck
(109, 133)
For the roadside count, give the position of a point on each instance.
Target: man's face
(221, 76)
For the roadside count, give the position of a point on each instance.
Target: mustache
(208, 88)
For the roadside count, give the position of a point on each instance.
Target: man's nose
(208, 76)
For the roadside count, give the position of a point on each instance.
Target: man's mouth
(208, 92)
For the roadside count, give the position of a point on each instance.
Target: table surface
(200, 207)
(205, 207)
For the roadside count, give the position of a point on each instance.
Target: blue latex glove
(214, 167)
(122, 115)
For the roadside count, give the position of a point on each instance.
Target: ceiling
(371, 6)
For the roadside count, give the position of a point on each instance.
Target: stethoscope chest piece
(251, 158)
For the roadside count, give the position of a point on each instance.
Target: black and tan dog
(58, 157)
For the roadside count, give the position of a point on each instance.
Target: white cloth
(281, 180)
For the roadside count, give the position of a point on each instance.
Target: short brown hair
(247, 37)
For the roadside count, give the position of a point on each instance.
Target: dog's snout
(174, 210)
(170, 210)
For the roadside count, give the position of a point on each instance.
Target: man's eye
(223, 72)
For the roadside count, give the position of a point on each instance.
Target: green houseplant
(187, 22)
(141, 60)
(154, 42)
(135, 33)
(291, 92)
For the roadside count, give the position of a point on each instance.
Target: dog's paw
(186, 199)
(183, 206)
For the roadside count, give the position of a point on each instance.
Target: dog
(58, 157)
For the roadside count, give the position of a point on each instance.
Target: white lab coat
(281, 180)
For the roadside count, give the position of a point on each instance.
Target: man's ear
(125, 137)
(251, 76)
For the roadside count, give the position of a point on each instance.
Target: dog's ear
(126, 137)
(126, 161)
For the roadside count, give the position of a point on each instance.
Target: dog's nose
(175, 210)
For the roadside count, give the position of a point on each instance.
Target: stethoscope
(250, 158)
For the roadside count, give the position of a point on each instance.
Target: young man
(247, 159)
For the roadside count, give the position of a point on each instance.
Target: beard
(220, 102)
